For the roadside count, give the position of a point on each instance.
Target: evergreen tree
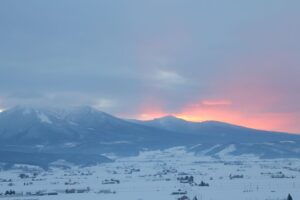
(289, 197)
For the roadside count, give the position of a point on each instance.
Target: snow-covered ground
(158, 174)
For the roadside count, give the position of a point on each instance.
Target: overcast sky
(234, 61)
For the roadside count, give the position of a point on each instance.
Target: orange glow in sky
(267, 121)
(151, 110)
(222, 110)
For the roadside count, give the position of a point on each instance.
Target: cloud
(169, 78)
(217, 102)
(104, 103)
(222, 61)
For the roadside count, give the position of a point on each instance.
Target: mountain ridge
(205, 122)
(87, 131)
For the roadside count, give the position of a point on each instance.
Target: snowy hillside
(61, 133)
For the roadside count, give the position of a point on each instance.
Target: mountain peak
(169, 118)
(91, 131)
(23, 110)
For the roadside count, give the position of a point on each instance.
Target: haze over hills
(82, 135)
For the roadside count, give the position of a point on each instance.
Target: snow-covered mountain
(74, 131)
(216, 131)
(48, 126)
(214, 137)
(82, 134)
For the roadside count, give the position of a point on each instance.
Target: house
(111, 181)
(179, 192)
(203, 184)
(186, 179)
(183, 198)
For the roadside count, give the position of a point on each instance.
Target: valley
(170, 175)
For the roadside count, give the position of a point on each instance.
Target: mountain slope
(79, 130)
(218, 131)
(85, 132)
(215, 137)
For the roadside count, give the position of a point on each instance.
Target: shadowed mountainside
(53, 133)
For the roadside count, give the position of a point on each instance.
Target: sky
(233, 61)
